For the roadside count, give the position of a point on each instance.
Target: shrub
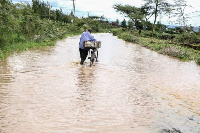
(186, 38)
(116, 31)
(176, 52)
(197, 60)
(130, 38)
(1, 54)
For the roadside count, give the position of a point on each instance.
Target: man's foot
(81, 63)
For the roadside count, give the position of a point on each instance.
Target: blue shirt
(86, 36)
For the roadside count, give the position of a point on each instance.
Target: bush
(197, 60)
(130, 38)
(1, 54)
(187, 38)
(116, 31)
(176, 52)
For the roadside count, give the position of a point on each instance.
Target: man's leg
(81, 55)
(85, 53)
(80, 52)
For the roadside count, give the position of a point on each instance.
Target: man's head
(90, 30)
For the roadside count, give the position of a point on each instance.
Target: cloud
(105, 7)
(54, 3)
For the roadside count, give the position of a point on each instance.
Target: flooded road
(130, 90)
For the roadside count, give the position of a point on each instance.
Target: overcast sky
(105, 8)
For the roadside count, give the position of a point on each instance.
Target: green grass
(160, 46)
(174, 50)
(23, 46)
(19, 47)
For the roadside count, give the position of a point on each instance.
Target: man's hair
(90, 30)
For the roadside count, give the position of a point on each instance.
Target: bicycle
(92, 46)
(94, 55)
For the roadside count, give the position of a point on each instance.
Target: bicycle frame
(92, 46)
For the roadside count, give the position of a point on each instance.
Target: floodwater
(130, 90)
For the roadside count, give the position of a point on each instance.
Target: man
(86, 36)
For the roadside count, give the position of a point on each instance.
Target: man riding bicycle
(86, 36)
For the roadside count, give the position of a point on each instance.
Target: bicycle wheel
(92, 58)
(96, 55)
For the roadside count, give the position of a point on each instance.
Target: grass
(173, 50)
(19, 47)
(161, 46)
(23, 46)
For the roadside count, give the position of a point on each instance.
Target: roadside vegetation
(180, 41)
(163, 43)
(25, 25)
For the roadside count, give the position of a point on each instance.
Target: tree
(94, 17)
(157, 6)
(182, 18)
(7, 21)
(146, 10)
(179, 12)
(134, 13)
(41, 8)
(130, 24)
(131, 12)
(148, 26)
(160, 27)
(123, 25)
(139, 26)
(117, 22)
(35, 6)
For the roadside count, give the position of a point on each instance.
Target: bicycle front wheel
(92, 58)
(96, 55)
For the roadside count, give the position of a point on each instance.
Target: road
(130, 90)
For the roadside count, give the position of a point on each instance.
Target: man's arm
(91, 37)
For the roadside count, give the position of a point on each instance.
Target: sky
(105, 8)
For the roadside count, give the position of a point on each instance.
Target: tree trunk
(155, 17)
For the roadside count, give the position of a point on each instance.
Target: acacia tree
(134, 13)
(131, 12)
(157, 7)
(146, 10)
(179, 12)
(182, 17)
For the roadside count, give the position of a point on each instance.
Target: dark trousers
(83, 54)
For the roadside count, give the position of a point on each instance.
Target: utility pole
(73, 11)
(73, 8)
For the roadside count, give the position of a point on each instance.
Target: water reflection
(5, 74)
(85, 90)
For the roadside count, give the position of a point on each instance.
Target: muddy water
(130, 90)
